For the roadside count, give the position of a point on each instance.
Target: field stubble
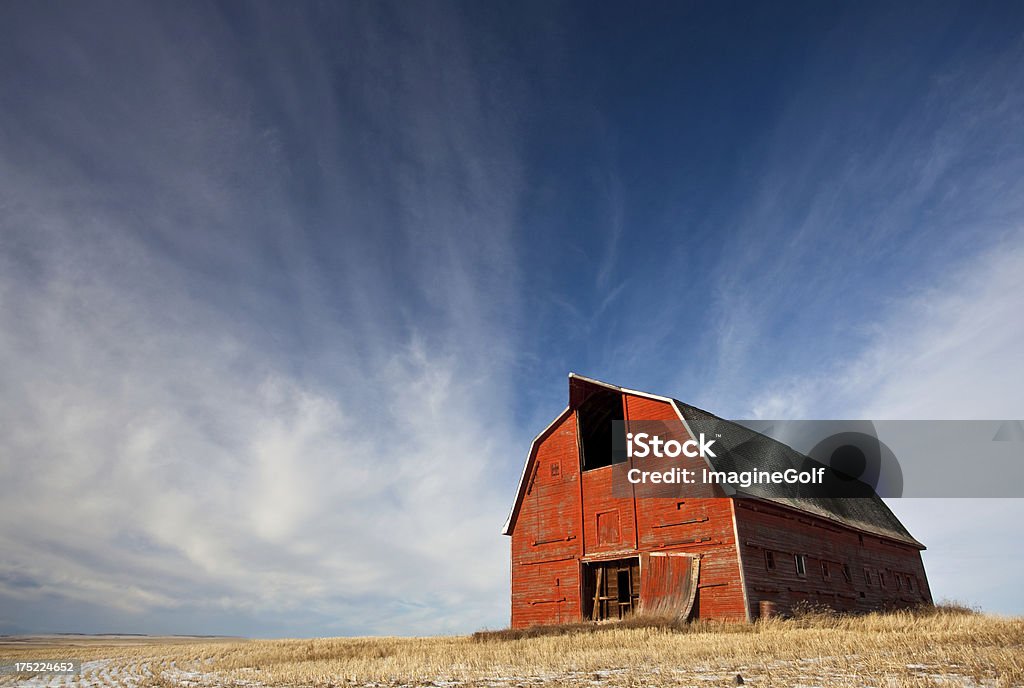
(940, 648)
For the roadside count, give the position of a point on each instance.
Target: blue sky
(287, 290)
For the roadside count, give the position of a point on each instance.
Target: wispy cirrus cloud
(861, 214)
(873, 268)
(285, 291)
(252, 326)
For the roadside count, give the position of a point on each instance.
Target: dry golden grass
(894, 649)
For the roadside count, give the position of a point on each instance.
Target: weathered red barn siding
(701, 524)
(669, 582)
(546, 544)
(615, 515)
(765, 527)
(566, 520)
(558, 527)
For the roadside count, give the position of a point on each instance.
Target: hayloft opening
(595, 416)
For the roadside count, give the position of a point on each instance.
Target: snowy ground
(107, 673)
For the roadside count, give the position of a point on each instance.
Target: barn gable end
(547, 539)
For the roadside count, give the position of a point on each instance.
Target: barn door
(669, 584)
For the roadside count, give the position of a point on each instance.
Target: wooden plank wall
(701, 524)
(546, 542)
(766, 527)
(568, 516)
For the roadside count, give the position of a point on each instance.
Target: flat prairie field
(894, 649)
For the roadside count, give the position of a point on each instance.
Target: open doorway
(611, 589)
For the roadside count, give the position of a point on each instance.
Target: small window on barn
(595, 427)
(846, 573)
(801, 564)
(881, 579)
(769, 560)
(910, 583)
(867, 577)
(556, 469)
(826, 572)
(899, 581)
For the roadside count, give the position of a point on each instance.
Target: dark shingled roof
(749, 451)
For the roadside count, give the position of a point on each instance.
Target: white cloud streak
(951, 351)
(207, 405)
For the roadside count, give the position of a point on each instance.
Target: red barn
(583, 551)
